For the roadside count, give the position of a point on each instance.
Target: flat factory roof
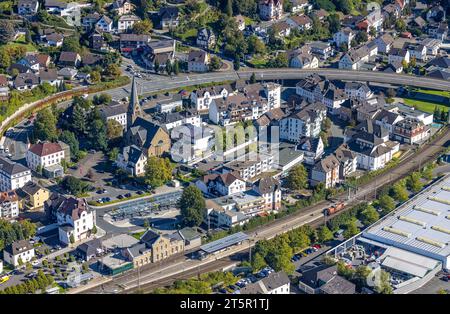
(224, 242)
(421, 225)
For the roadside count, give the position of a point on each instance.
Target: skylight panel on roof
(440, 200)
(396, 231)
(431, 242)
(413, 221)
(441, 229)
(428, 211)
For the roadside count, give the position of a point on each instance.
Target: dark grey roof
(168, 13)
(137, 249)
(308, 144)
(132, 153)
(18, 247)
(31, 188)
(113, 110)
(338, 285)
(439, 74)
(318, 275)
(267, 184)
(276, 280)
(189, 233)
(149, 237)
(441, 62)
(145, 130)
(224, 242)
(11, 167)
(90, 247)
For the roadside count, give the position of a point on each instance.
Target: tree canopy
(192, 206)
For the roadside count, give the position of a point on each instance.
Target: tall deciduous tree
(45, 125)
(192, 206)
(157, 171)
(297, 178)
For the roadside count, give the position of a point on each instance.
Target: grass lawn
(17, 43)
(434, 92)
(138, 235)
(423, 105)
(258, 62)
(189, 34)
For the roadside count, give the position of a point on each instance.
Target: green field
(20, 41)
(433, 92)
(421, 105)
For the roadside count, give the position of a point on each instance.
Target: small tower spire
(134, 109)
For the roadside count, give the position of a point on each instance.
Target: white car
(35, 263)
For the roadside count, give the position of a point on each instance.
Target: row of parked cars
(306, 252)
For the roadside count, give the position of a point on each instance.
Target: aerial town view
(225, 147)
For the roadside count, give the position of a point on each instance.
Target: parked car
(128, 195)
(120, 196)
(140, 192)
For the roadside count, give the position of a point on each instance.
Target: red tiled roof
(44, 149)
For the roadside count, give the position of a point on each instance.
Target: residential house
(170, 120)
(221, 184)
(26, 81)
(90, 249)
(131, 42)
(323, 50)
(206, 38)
(9, 205)
(300, 5)
(274, 283)
(132, 160)
(104, 24)
(384, 43)
(122, 7)
(416, 51)
(69, 58)
(49, 76)
(68, 73)
(47, 157)
(326, 171)
(358, 90)
(436, 14)
(30, 61)
(411, 131)
(250, 167)
(54, 40)
(160, 52)
(13, 175)
(97, 42)
(399, 55)
(115, 111)
(355, 58)
(387, 119)
(18, 253)
(282, 29)
(201, 98)
(75, 219)
(33, 196)
(392, 9)
(126, 22)
(89, 21)
(27, 7)
(4, 88)
(304, 122)
(344, 37)
(303, 61)
(270, 9)
(438, 30)
(374, 20)
(270, 189)
(198, 61)
(168, 17)
(348, 161)
(219, 216)
(312, 149)
(324, 279)
(432, 45)
(301, 22)
(372, 147)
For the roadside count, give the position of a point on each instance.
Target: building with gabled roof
(221, 184)
(13, 175)
(18, 253)
(326, 171)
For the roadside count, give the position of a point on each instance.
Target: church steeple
(134, 109)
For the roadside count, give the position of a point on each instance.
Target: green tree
(142, 27)
(113, 70)
(258, 262)
(72, 239)
(414, 183)
(297, 178)
(72, 44)
(382, 285)
(334, 23)
(399, 192)
(216, 63)
(324, 234)
(102, 99)
(97, 135)
(113, 129)
(69, 138)
(157, 171)
(230, 8)
(192, 206)
(45, 125)
(369, 215)
(6, 32)
(351, 229)
(386, 202)
(253, 78)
